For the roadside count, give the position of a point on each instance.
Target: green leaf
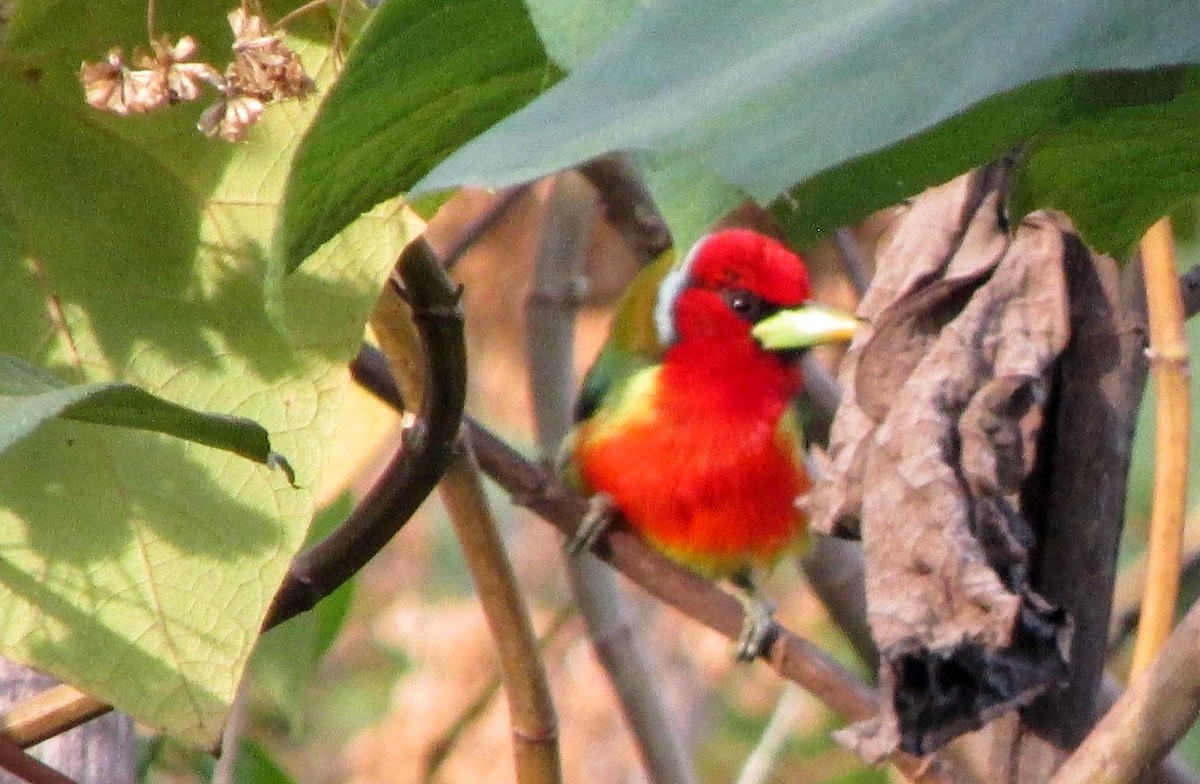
(1125, 152)
(1113, 150)
(255, 765)
(29, 397)
(137, 566)
(425, 77)
(763, 96)
(572, 31)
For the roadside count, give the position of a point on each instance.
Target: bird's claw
(758, 629)
(593, 525)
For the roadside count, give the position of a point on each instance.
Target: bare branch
(476, 230)
(1155, 711)
(49, 713)
(14, 759)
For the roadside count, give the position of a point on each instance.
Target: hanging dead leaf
(946, 392)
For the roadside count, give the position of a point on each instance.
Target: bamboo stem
(1168, 355)
(550, 314)
(534, 725)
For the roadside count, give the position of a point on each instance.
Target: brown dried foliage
(947, 389)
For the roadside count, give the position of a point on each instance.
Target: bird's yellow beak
(804, 327)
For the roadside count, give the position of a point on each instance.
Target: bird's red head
(731, 280)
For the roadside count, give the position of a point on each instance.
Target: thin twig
(439, 751)
(484, 223)
(295, 13)
(1127, 596)
(761, 761)
(570, 210)
(14, 760)
(49, 713)
(1168, 354)
(235, 725)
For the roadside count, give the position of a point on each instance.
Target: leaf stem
(475, 231)
(151, 19)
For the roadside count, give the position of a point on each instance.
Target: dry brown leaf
(946, 390)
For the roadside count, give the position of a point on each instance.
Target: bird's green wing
(632, 342)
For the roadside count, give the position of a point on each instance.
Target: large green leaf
(425, 77)
(762, 96)
(133, 564)
(30, 397)
(1115, 150)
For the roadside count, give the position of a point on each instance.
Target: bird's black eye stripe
(748, 305)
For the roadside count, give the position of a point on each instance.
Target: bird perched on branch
(685, 424)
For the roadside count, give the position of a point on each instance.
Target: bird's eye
(748, 305)
(741, 302)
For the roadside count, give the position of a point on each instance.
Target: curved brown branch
(426, 453)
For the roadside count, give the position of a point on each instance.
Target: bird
(685, 423)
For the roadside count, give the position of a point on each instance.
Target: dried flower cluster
(263, 70)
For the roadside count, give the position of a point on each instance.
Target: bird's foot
(758, 626)
(600, 514)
